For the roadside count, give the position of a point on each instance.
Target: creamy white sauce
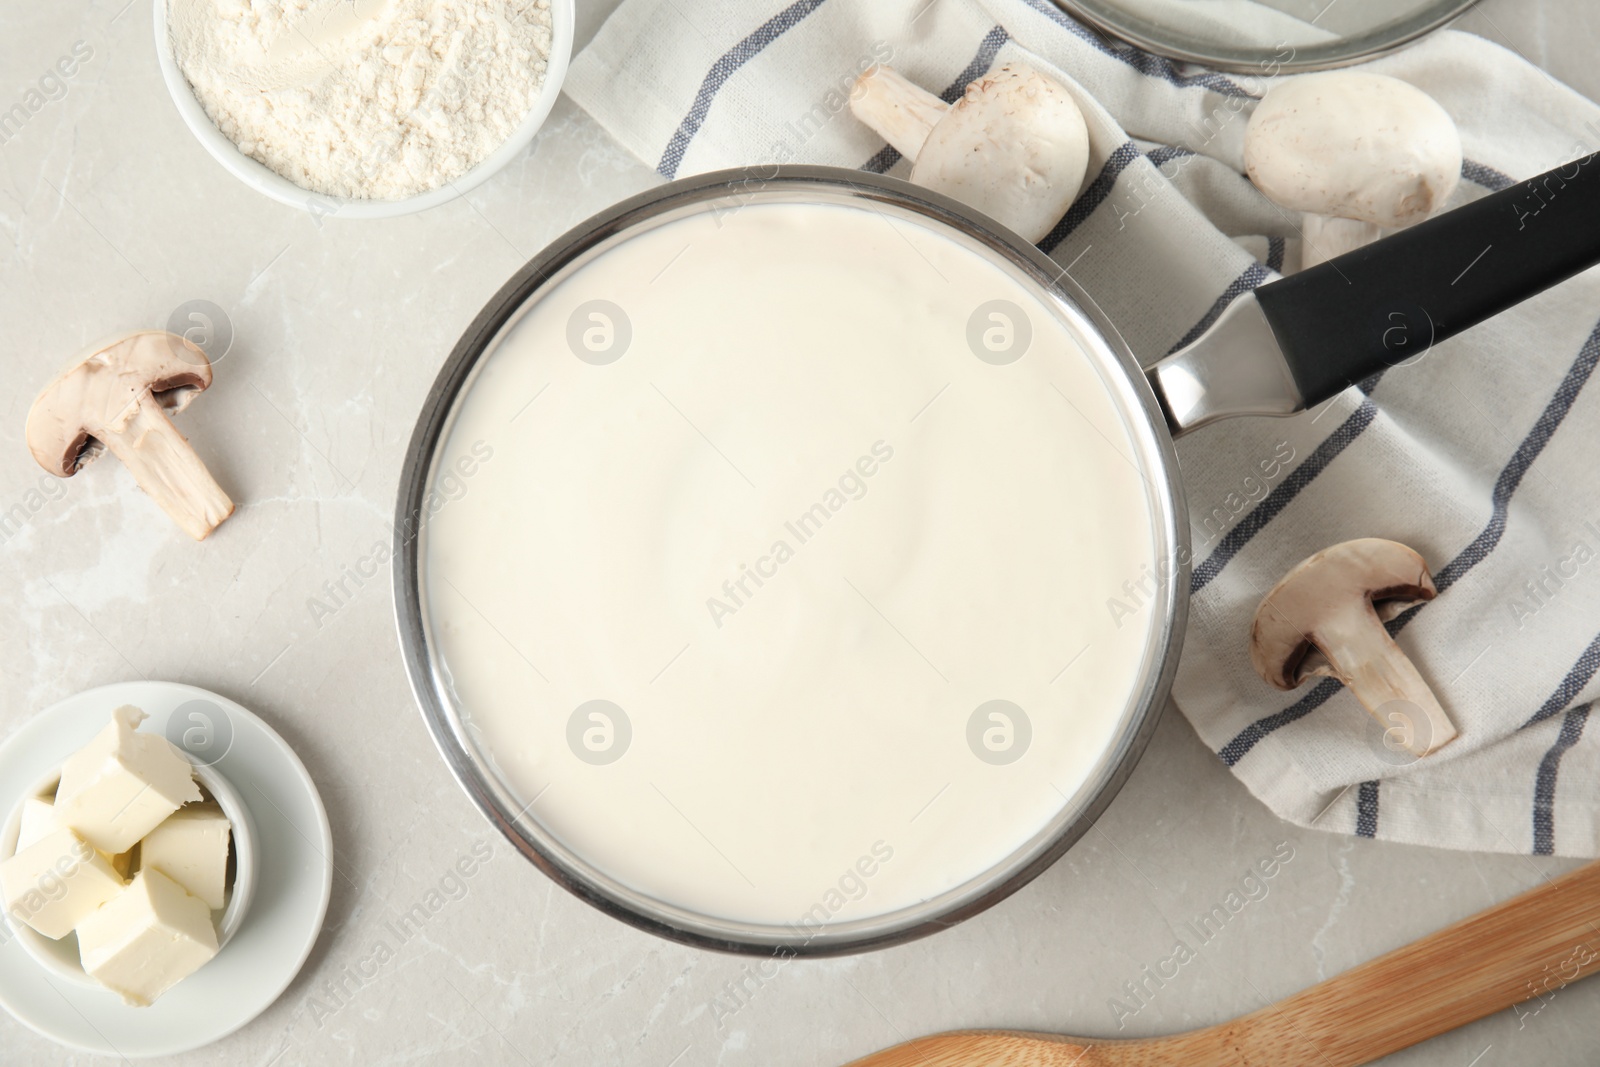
(799, 747)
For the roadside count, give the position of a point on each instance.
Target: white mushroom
(117, 397)
(1015, 145)
(1358, 153)
(1326, 617)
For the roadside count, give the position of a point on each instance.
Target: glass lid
(766, 562)
(1267, 36)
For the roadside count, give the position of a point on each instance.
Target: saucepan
(744, 793)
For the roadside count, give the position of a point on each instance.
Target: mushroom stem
(1390, 687)
(1326, 617)
(1014, 147)
(116, 396)
(902, 112)
(166, 467)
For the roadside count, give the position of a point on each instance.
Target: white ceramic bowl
(61, 957)
(270, 183)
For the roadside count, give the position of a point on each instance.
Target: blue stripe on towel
(882, 160)
(1521, 460)
(1276, 246)
(1167, 152)
(721, 71)
(1486, 176)
(1235, 750)
(988, 48)
(1253, 275)
(1580, 675)
(1092, 197)
(1367, 810)
(1274, 502)
(1486, 541)
(1544, 785)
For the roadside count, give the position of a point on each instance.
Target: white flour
(377, 99)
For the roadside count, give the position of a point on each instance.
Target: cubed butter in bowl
(148, 938)
(191, 848)
(38, 819)
(57, 882)
(143, 918)
(123, 784)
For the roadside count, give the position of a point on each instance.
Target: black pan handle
(1388, 302)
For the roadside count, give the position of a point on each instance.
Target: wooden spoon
(1532, 945)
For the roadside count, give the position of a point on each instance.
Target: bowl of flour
(364, 108)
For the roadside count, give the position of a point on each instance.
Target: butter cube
(38, 819)
(147, 939)
(56, 882)
(191, 848)
(119, 786)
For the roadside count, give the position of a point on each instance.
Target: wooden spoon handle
(1528, 947)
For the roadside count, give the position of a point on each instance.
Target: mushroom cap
(1354, 145)
(1342, 586)
(103, 387)
(1015, 146)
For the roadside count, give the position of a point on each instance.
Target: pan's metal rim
(1114, 767)
(1339, 53)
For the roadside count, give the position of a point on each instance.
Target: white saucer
(295, 865)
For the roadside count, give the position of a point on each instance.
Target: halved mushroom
(1326, 617)
(1015, 146)
(1358, 153)
(117, 397)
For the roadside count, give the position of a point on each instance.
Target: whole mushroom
(1015, 146)
(1357, 153)
(1326, 617)
(117, 398)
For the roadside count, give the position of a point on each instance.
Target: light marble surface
(111, 216)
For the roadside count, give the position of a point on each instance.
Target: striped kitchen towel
(1480, 455)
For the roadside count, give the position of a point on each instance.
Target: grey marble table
(111, 216)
